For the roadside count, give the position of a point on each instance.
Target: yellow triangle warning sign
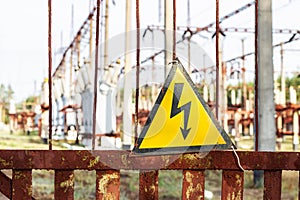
(180, 120)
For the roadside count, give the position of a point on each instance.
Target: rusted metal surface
(148, 185)
(256, 77)
(21, 184)
(217, 59)
(272, 184)
(108, 164)
(108, 184)
(64, 185)
(174, 29)
(232, 184)
(50, 70)
(92, 160)
(193, 184)
(5, 185)
(96, 73)
(137, 75)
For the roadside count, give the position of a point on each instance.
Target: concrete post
(233, 97)
(265, 139)
(279, 130)
(106, 33)
(266, 108)
(127, 114)
(295, 130)
(168, 35)
(205, 93)
(244, 76)
(283, 96)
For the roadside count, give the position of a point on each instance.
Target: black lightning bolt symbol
(185, 108)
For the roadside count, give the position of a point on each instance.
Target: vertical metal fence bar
(137, 91)
(232, 184)
(174, 29)
(96, 75)
(5, 185)
(71, 72)
(91, 39)
(298, 184)
(217, 59)
(148, 188)
(21, 184)
(50, 70)
(272, 184)
(64, 185)
(108, 184)
(256, 77)
(193, 184)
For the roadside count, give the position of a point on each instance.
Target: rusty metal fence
(193, 166)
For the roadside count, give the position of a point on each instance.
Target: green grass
(20, 140)
(169, 184)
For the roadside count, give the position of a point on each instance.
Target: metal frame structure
(110, 164)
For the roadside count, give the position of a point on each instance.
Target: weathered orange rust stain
(148, 185)
(232, 185)
(108, 185)
(64, 184)
(193, 185)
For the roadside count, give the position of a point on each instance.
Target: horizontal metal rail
(108, 166)
(82, 159)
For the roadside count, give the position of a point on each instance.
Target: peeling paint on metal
(166, 160)
(69, 183)
(104, 182)
(93, 162)
(5, 163)
(124, 160)
(191, 189)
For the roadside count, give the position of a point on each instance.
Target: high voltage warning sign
(180, 120)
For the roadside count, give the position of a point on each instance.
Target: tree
(2, 93)
(291, 81)
(9, 93)
(6, 94)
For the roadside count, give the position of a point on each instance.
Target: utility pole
(189, 36)
(221, 86)
(283, 95)
(168, 35)
(72, 23)
(265, 135)
(223, 93)
(71, 75)
(106, 33)
(127, 111)
(244, 75)
(91, 42)
(265, 93)
(71, 55)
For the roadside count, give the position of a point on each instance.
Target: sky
(24, 33)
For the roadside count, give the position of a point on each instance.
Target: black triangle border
(183, 149)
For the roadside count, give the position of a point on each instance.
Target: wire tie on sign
(237, 158)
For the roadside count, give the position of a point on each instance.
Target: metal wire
(237, 159)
